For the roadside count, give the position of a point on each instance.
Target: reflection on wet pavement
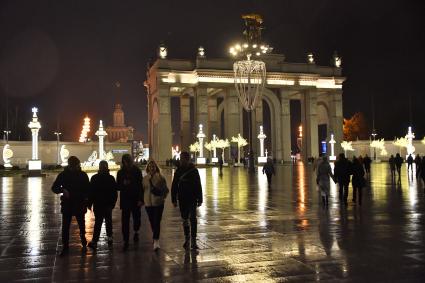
(247, 232)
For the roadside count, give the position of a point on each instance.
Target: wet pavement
(247, 233)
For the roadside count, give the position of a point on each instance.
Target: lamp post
(201, 136)
(57, 146)
(332, 143)
(34, 165)
(262, 137)
(250, 75)
(101, 133)
(374, 134)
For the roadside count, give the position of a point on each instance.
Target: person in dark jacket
(358, 181)
(366, 162)
(73, 184)
(103, 196)
(186, 192)
(342, 174)
(268, 169)
(129, 180)
(398, 162)
(410, 163)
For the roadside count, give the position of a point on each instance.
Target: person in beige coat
(155, 191)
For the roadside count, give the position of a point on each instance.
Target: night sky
(65, 56)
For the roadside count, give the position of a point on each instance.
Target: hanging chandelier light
(250, 72)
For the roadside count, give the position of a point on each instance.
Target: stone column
(185, 130)
(257, 121)
(163, 137)
(201, 110)
(309, 122)
(285, 124)
(213, 115)
(231, 113)
(336, 119)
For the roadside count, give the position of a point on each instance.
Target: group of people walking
(396, 163)
(344, 169)
(100, 194)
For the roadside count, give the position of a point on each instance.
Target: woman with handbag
(155, 191)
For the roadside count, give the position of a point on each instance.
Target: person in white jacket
(155, 191)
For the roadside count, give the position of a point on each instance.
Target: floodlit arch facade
(205, 88)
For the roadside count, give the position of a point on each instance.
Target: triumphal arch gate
(206, 95)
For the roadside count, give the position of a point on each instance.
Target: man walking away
(410, 163)
(129, 180)
(398, 162)
(342, 175)
(73, 184)
(268, 169)
(187, 191)
(103, 196)
(367, 161)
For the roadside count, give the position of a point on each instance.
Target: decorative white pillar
(214, 159)
(34, 165)
(7, 155)
(410, 148)
(64, 154)
(262, 137)
(332, 142)
(201, 159)
(101, 133)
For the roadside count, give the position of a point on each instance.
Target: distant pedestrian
(268, 169)
(398, 162)
(220, 164)
(155, 191)
(358, 181)
(323, 173)
(366, 162)
(418, 162)
(103, 196)
(73, 184)
(342, 175)
(186, 192)
(391, 161)
(410, 163)
(129, 180)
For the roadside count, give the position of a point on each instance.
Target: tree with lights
(241, 143)
(194, 148)
(379, 144)
(223, 144)
(401, 142)
(85, 130)
(347, 146)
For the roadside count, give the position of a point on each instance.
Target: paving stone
(247, 232)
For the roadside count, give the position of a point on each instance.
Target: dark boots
(186, 230)
(190, 235)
